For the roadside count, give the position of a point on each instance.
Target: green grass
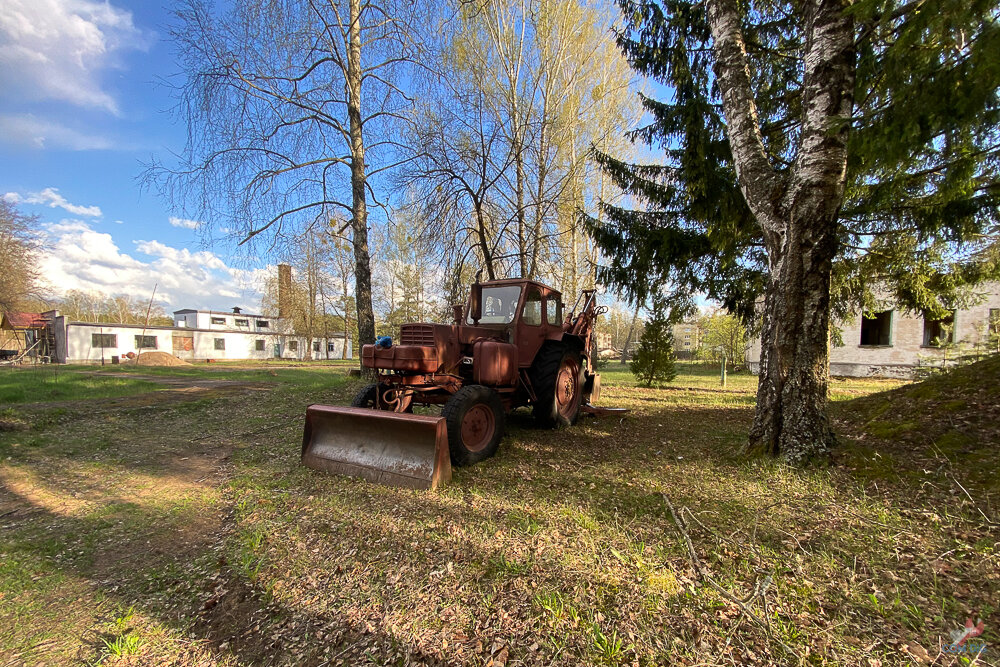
(706, 376)
(949, 422)
(55, 383)
(689, 374)
(182, 530)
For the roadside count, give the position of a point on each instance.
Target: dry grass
(189, 526)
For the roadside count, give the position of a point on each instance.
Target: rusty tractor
(511, 345)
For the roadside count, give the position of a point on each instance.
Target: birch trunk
(797, 212)
(359, 206)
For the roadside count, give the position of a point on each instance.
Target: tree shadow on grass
(211, 609)
(106, 518)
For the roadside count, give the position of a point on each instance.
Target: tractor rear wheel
(557, 378)
(475, 424)
(386, 395)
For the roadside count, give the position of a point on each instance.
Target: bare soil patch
(157, 358)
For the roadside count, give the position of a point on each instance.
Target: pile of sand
(156, 359)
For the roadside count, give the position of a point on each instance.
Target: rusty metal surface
(494, 363)
(394, 449)
(435, 360)
(592, 388)
(416, 334)
(414, 358)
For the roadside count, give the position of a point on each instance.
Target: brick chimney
(284, 290)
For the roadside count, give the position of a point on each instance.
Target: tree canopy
(19, 274)
(820, 154)
(919, 222)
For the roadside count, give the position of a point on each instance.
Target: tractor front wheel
(557, 378)
(475, 424)
(377, 396)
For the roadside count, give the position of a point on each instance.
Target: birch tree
(810, 149)
(288, 106)
(503, 139)
(19, 275)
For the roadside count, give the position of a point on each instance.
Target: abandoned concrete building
(895, 343)
(197, 335)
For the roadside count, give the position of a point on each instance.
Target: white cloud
(50, 197)
(184, 223)
(26, 130)
(79, 257)
(58, 49)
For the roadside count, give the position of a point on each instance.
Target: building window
(145, 342)
(293, 346)
(331, 347)
(315, 346)
(242, 323)
(877, 329)
(995, 320)
(218, 320)
(104, 340)
(259, 345)
(263, 324)
(939, 332)
(220, 343)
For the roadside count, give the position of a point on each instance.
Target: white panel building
(197, 335)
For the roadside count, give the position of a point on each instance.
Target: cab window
(553, 310)
(499, 304)
(533, 307)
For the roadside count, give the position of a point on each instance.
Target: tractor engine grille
(416, 334)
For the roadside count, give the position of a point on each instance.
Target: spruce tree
(654, 360)
(818, 156)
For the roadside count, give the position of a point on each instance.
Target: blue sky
(84, 106)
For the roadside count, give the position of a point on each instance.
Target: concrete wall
(906, 350)
(79, 347)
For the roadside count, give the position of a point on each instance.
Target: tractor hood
(428, 348)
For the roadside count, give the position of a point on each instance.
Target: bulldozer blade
(391, 448)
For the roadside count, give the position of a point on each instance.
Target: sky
(85, 104)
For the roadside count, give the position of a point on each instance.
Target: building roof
(14, 320)
(184, 330)
(221, 312)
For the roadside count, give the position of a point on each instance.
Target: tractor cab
(528, 313)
